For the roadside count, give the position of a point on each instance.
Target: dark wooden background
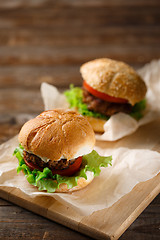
(45, 40)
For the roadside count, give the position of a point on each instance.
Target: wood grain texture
(109, 223)
(146, 225)
(105, 224)
(63, 3)
(50, 56)
(25, 225)
(48, 40)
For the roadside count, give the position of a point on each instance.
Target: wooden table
(48, 41)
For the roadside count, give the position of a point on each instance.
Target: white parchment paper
(130, 166)
(120, 124)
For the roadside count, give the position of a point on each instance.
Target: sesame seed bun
(114, 78)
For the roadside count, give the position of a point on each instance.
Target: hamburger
(109, 87)
(56, 151)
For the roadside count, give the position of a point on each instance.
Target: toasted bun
(82, 182)
(114, 78)
(97, 124)
(57, 133)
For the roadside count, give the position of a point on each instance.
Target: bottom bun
(82, 182)
(97, 124)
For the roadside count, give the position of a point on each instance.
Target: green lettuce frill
(44, 180)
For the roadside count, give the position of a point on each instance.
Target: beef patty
(61, 164)
(106, 108)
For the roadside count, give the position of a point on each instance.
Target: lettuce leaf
(137, 110)
(45, 180)
(93, 162)
(74, 97)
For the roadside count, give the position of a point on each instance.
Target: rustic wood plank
(114, 220)
(8, 131)
(48, 41)
(43, 3)
(65, 37)
(22, 220)
(60, 76)
(145, 227)
(4, 203)
(20, 101)
(137, 199)
(68, 17)
(46, 56)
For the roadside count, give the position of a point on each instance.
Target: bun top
(57, 133)
(114, 78)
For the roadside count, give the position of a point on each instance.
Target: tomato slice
(103, 96)
(33, 166)
(73, 168)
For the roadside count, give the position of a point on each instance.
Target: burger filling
(106, 108)
(61, 164)
(91, 105)
(50, 180)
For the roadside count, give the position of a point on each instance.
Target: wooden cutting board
(108, 223)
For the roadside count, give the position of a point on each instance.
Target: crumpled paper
(120, 124)
(129, 167)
